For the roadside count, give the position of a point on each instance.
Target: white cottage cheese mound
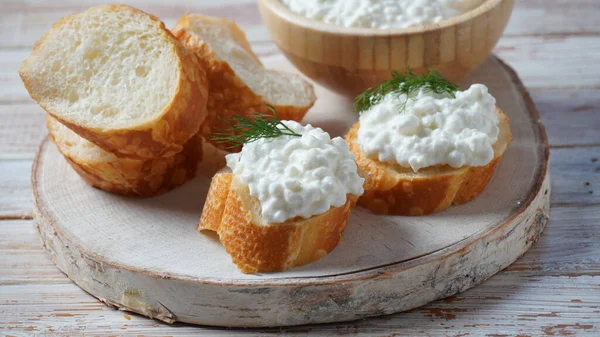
(382, 14)
(432, 129)
(297, 176)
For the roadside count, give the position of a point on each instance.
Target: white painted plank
(571, 117)
(559, 298)
(553, 62)
(508, 304)
(554, 17)
(23, 257)
(575, 175)
(15, 188)
(570, 245)
(21, 130)
(12, 86)
(23, 22)
(522, 301)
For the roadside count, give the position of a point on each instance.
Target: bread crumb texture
(239, 83)
(117, 77)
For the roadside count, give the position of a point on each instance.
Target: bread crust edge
(132, 177)
(256, 247)
(229, 95)
(389, 192)
(164, 136)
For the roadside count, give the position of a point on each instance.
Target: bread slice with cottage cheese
(106, 171)
(394, 189)
(239, 83)
(117, 77)
(256, 246)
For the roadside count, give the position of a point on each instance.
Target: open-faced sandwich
(239, 84)
(285, 199)
(423, 144)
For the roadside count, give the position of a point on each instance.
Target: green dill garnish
(405, 84)
(243, 130)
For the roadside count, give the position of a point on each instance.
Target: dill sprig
(405, 84)
(243, 130)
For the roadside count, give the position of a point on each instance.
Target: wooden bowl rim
(276, 7)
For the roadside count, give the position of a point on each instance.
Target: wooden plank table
(553, 290)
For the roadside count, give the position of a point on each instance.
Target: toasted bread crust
(165, 136)
(258, 247)
(133, 177)
(229, 95)
(392, 189)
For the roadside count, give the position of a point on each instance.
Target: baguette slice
(256, 246)
(239, 84)
(117, 77)
(393, 189)
(125, 176)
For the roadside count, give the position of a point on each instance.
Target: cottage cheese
(382, 14)
(297, 176)
(433, 129)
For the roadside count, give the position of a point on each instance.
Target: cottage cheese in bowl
(297, 176)
(381, 14)
(428, 129)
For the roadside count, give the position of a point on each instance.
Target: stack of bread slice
(129, 103)
(104, 170)
(125, 99)
(239, 83)
(117, 77)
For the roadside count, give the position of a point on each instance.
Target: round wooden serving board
(145, 255)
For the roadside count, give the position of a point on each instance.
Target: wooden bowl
(349, 60)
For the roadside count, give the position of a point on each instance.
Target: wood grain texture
(15, 199)
(368, 274)
(24, 259)
(13, 90)
(538, 54)
(554, 17)
(21, 131)
(569, 246)
(576, 173)
(22, 23)
(550, 286)
(523, 301)
(384, 290)
(570, 116)
(350, 60)
(532, 56)
(508, 304)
